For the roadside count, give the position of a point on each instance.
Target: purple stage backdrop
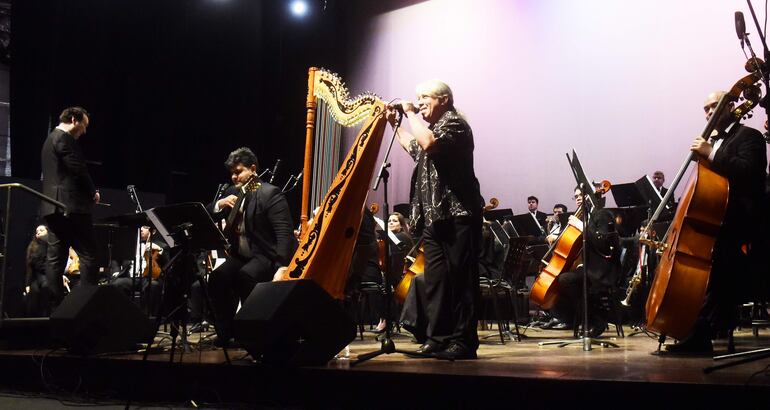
(622, 83)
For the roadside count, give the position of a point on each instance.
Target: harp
(327, 242)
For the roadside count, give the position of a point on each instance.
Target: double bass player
(737, 153)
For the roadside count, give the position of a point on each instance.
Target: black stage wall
(173, 86)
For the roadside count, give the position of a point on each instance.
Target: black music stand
(526, 225)
(590, 202)
(187, 228)
(499, 215)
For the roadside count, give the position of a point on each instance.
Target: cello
(564, 252)
(416, 260)
(682, 275)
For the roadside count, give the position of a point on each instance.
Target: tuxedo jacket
(742, 160)
(268, 225)
(65, 175)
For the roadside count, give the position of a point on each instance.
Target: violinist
(738, 153)
(446, 207)
(134, 275)
(260, 237)
(603, 271)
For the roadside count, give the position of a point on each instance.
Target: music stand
(526, 225)
(187, 228)
(499, 215)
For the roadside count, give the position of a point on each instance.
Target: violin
(151, 266)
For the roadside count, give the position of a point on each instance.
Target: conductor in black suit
(66, 179)
(261, 239)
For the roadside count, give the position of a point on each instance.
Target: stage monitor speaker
(292, 323)
(99, 319)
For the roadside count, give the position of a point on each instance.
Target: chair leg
(498, 316)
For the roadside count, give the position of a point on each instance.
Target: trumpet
(636, 279)
(633, 283)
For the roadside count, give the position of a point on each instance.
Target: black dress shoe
(691, 347)
(429, 348)
(554, 323)
(456, 351)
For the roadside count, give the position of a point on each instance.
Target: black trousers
(38, 297)
(452, 280)
(232, 282)
(570, 300)
(76, 231)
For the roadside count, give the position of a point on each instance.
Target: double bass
(682, 275)
(564, 253)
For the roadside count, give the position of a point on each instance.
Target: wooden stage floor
(523, 372)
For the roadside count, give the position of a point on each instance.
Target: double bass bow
(561, 257)
(681, 278)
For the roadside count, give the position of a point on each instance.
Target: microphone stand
(765, 73)
(757, 354)
(387, 345)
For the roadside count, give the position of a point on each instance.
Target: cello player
(737, 153)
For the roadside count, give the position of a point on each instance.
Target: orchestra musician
(555, 223)
(603, 271)
(137, 274)
(446, 207)
(36, 286)
(261, 239)
(658, 178)
(66, 179)
(739, 154)
(539, 217)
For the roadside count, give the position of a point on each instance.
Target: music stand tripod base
(585, 341)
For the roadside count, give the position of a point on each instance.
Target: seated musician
(365, 268)
(739, 154)
(603, 261)
(555, 223)
(261, 239)
(397, 225)
(538, 216)
(136, 275)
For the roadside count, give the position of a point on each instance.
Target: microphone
(740, 27)
(275, 170)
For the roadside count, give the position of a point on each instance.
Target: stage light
(298, 8)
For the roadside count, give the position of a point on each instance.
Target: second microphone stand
(387, 345)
